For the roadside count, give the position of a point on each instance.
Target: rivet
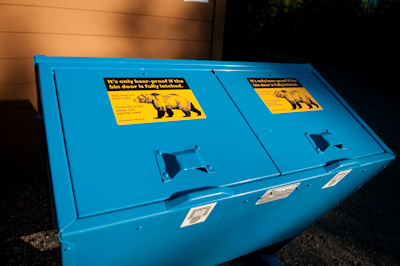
(165, 174)
(245, 201)
(144, 74)
(139, 228)
(209, 167)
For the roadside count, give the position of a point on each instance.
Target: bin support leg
(270, 260)
(265, 257)
(262, 259)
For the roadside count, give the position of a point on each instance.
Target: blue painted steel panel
(113, 203)
(58, 163)
(283, 134)
(114, 167)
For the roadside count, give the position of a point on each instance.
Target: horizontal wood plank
(19, 92)
(17, 75)
(161, 8)
(16, 71)
(29, 19)
(25, 45)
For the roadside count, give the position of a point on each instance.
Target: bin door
(297, 118)
(135, 137)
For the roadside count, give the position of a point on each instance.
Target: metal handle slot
(323, 140)
(341, 164)
(198, 197)
(171, 163)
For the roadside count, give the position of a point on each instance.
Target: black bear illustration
(165, 103)
(295, 98)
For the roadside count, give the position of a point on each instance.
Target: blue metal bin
(177, 162)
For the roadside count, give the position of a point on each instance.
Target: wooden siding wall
(173, 29)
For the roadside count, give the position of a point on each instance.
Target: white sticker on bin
(198, 214)
(277, 193)
(336, 179)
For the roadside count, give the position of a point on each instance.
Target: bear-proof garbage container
(176, 162)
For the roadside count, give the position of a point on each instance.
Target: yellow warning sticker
(284, 95)
(149, 100)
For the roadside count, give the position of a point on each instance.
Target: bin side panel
(236, 225)
(57, 160)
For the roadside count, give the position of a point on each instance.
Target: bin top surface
(114, 163)
(207, 124)
(301, 123)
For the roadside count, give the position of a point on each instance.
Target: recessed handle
(198, 197)
(173, 162)
(322, 140)
(340, 165)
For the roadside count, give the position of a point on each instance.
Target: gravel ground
(26, 232)
(363, 230)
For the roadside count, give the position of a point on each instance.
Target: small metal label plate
(277, 193)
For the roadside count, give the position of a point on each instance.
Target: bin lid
(299, 120)
(131, 143)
